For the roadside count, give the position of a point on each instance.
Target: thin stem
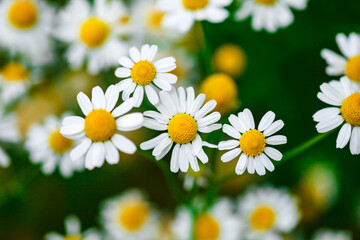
(204, 45)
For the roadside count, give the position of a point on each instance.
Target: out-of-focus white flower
(8, 133)
(327, 234)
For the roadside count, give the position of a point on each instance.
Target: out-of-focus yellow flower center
(124, 20)
(252, 142)
(73, 237)
(350, 109)
(94, 32)
(143, 73)
(14, 71)
(206, 227)
(194, 5)
(222, 89)
(58, 143)
(182, 128)
(155, 18)
(262, 218)
(353, 68)
(23, 14)
(100, 125)
(133, 216)
(266, 2)
(230, 59)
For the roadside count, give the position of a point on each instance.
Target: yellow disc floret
(353, 68)
(73, 237)
(143, 73)
(14, 71)
(350, 109)
(23, 14)
(230, 59)
(262, 218)
(58, 143)
(194, 5)
(155, 18)
(252, 142)
(206, 227)
(94, 32)
(222, 89)
(100, 125)
(133, 216)
(266, 2)
(182, 128)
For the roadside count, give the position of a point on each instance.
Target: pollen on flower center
(182, 128)
(252, 142)
(14, 71)
(262, 218)
(266, 2)
(100, 125)
(73, 237)
(143, 73)
(155, 18)
(23, 14)
(206, 227)
(94, 32)
(194, 5)
(350, 109)
(133, 217)
(353, 68)
(58, 143)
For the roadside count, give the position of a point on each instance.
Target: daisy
(180, 114)
(270, 14)
(345, 97)
(129, 216)
(73, 231)
(93, 33)
(143, 75)
(326, 234)
(25, 27)
(349, 62)
(266, 210)
(98, 132)
(217, 223)
(48, 147)
(8, 133)
(251, 143)
(181, 14)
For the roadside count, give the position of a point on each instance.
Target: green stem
(204, 46)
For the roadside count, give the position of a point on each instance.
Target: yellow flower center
(262, 218)
(266, 2)
(143, 73)
(252, 142)
(14, 71)
(206, 227)
(155, 18)
(59, 143)
(133, 217)
(124, 20)
(353, 68)
(350, 109)
(182, 128)
(100, 125)
(230, 59)
(194, 5)
(23, 14)
(221, 88)
(73, 237)
(94, 32)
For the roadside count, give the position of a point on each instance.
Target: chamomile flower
(326, 234)
(48, 147)
(14, 80)
(142, 75)
(217, 223)
(181, 14)
(129, 216)
(73, 231)
(8, 133)
(266, 210)
(345, 97)
(25, 27)
(182, 117)
(270, 14)
(98, 132)
(348, 63)
(252, 144)
(93, 33)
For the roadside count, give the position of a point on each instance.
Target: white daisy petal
(202, 156)
(134, 54)
(267, 163)
(326, 113)
(329, 124)
(122, 72)
(235, 122)
(210, 128)
(163, 152)
(168, 77)
(183, 160)
(273, 153)
(138, 95)
(153, 142)
(343, 136)
(355, 141)
(161, 146)
(276, 140)
(130, 122)
(123, 144)
(123, 108)
(227, 145)
(273, 128)
(126, 62)
(197, 144)
(98, 98)
(230, 155)
(250, 118)
(84, 103)
(259, 167)
(111, 96)
(174, 162)
(151, 95)
(81, 149)
(251, 165)
(208, 107)
(210, 119)
(241, 164)
(266, 121)
(111, 153)
(229, 130)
